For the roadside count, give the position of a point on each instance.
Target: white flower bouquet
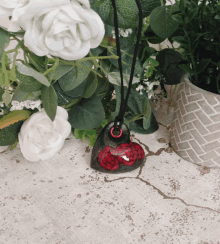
(62, 73)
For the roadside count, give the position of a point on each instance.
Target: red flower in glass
(127, 154)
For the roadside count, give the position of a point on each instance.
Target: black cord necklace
(116, 153)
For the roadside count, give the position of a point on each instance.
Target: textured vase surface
(195, 129)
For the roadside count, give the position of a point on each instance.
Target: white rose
(7, 6)
(62, 28)
(40, 138)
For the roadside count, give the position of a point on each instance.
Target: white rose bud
(40, 138)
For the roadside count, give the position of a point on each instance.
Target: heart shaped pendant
(116, 154)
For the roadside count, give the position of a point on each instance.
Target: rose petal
(95, 42)
(81, 53)
(29, 42)
(41, 42)
(65, 129)
(53, 141)
(49, 154)
(61, 112)
(72, 13)
(56, 28)
(24, 147)
(5, 12)
(93, 21)
(13, 26)
(30, 121)
(48, 19)
(34, 7)
(54, 44)
(34, 148)
(84, 32)
(11, 4)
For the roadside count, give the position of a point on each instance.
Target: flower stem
(52, 69)
(97, 57)
(7, 97)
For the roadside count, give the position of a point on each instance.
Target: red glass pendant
(116, 153)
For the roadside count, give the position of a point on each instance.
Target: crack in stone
(150, 153)
(162, 194)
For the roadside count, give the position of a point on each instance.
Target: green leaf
(92, 140)
(202, 65)
(118, 97)
(103, 87)
(40, 61)
(187, 68)
(69, 81)
(14, 145)
(1, 93)
(151, 61)
(182, 6)
(22, 96)
(134, 101)
(61, 71)
(6, 98)
(138, 127)
(83, 135)
(87, 114)
(49, 101)
(104, 123)
(115, 78)
(146, 107)
(147, 121)
(14, 117)
(161, 21)
(178, 18)
(127, 11)
(4, 41)
(166, 57)
(2, 79)
(173, 75)
(97, 51)
(180, 39)
(97, 4)
(78, 133)
(150, 71)
(152, 37)
(12, 75)
(191, 15)
(217, 82)
(127, 57)
(28, 83)
(62, 98)
(9, 135)
(91, 85)
(25, 70)
(148, 6)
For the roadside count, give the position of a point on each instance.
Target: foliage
(84, 87)
(194, 25)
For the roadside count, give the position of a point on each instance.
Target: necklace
(117, 153)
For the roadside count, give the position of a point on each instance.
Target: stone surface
(63, 200)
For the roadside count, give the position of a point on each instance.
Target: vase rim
(186, 79)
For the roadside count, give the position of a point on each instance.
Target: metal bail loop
(115, 135)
